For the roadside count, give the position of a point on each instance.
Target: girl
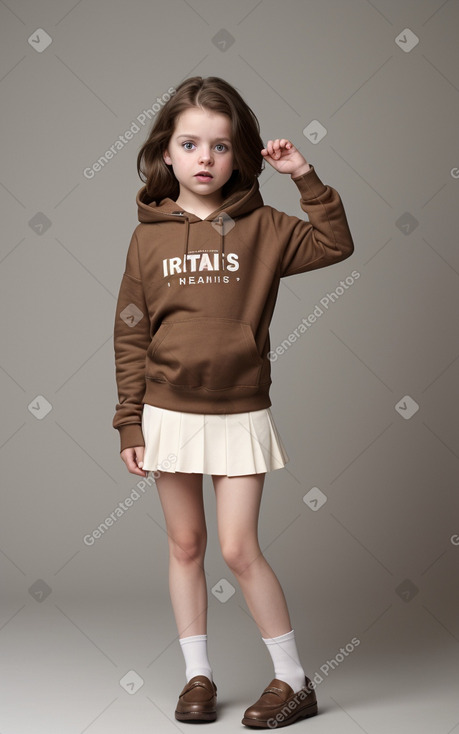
(191, 347)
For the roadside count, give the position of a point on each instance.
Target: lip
(204, 175)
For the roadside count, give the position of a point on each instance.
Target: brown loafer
(198, 700)
(279, 705)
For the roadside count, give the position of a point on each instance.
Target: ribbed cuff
(131, 435)
(310, 185)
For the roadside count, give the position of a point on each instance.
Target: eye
(221, 145)
(188, 142)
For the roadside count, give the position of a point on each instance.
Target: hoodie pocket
(212, 353)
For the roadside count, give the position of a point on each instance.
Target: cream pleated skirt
(233, 444)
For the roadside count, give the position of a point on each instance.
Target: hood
(167, 210)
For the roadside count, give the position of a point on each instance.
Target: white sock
(284, 654)
(194, 650)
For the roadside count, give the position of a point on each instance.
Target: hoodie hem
(164, 395)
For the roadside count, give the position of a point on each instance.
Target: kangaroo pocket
(212, 353)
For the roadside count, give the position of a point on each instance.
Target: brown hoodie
(197, 296)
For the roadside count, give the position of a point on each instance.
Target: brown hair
(211, 93)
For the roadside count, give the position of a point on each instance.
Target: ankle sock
(194, 650)
(284, 654)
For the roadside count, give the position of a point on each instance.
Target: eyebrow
(196, 137)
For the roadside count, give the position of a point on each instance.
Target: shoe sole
(196, 716)
(311, 710)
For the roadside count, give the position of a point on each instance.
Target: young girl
(191, 342)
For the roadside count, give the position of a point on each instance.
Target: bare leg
(238, 504)
(182, 502)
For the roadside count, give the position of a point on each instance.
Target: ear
(167, 158)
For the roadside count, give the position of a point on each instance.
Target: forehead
(197, 121)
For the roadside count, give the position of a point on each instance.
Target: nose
(205, 156)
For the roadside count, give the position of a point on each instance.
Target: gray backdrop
(362, 526)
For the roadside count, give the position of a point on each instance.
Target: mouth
(204, 175)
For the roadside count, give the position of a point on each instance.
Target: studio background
(362, 526)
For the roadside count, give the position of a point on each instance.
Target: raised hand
(282, 155)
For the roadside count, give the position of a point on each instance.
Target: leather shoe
(198, 700)
(279, 705)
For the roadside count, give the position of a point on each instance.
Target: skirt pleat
(232, 444)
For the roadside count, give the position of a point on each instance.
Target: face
(201, 141)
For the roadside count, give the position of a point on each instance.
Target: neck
(191, 203)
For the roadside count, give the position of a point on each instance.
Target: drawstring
(185, 252)
(221, 241)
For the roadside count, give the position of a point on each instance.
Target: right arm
(131, 339)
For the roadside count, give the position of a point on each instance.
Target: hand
(282, 155)
(133, 457)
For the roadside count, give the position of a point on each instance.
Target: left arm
(323, 240)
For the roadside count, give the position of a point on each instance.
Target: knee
(239, 557)
(189, 548)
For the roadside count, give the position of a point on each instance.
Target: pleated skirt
(232, 444)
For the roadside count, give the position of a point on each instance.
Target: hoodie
(197, 296)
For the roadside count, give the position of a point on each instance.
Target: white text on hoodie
(199, 261)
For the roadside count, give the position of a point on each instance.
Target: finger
(276, 148)
(283, 144)
(139, 472)
(280, 145)
(134, 469)
(131, 464)
(140, 451)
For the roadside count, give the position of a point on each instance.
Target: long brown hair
(211, 93)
